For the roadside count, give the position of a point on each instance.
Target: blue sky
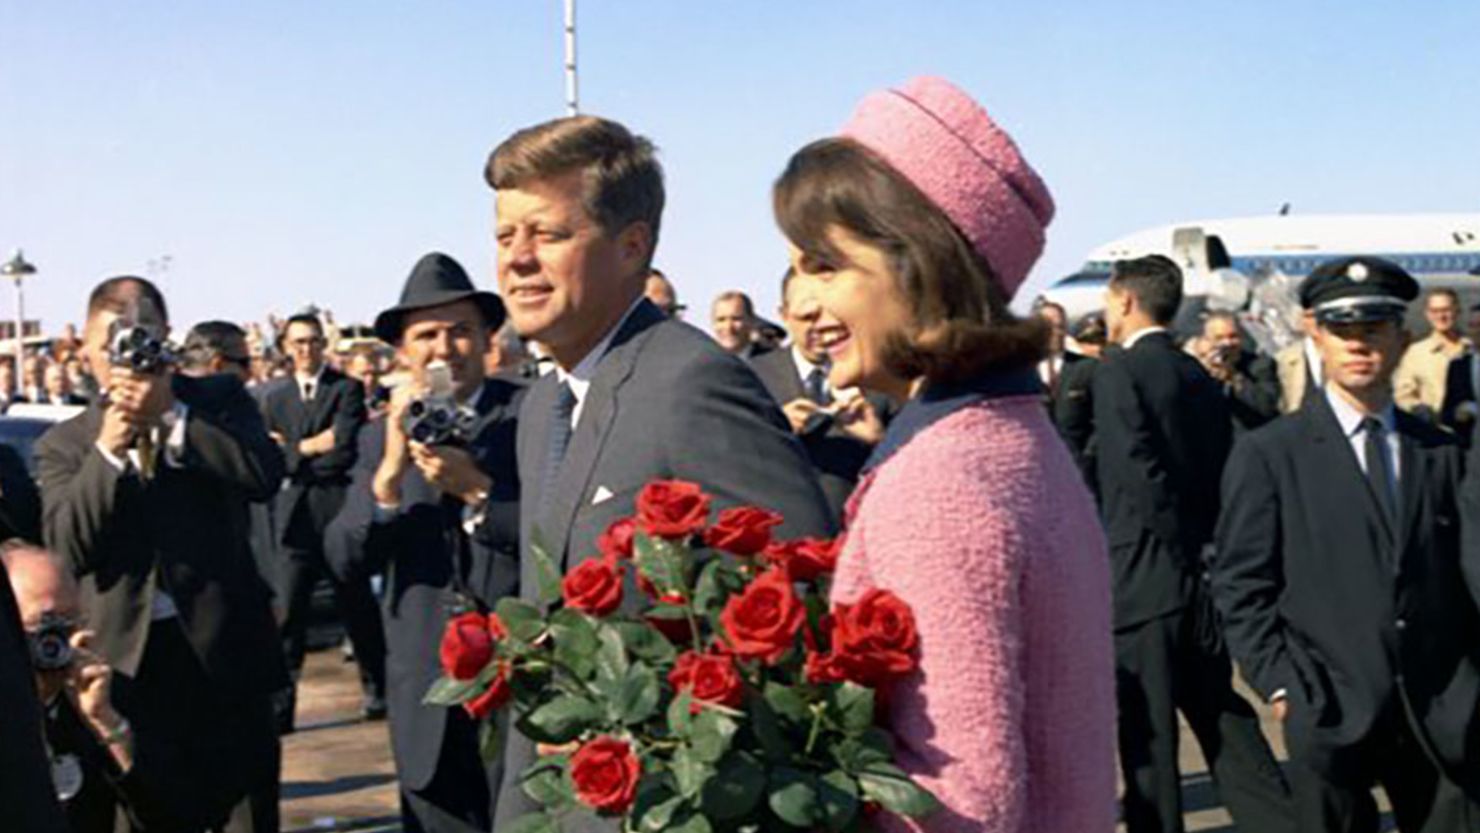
(283, 153)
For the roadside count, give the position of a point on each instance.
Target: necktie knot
(817, 385)
(1372, 426)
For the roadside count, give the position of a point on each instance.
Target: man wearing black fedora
(411, 509)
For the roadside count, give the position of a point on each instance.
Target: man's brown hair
(623, 180)
(736, 295)
(117, 294)
(962, 326)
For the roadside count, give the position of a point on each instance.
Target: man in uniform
(1340, 579)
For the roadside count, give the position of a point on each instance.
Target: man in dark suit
(1074, 401)
(97, 770)
(839, 432)
(315, 414)
(634, 396)
(442, 522)
(145, 495)
(1342, 584)
(1163, 431)
(26, 789)
(1249, 380)
(1462, 388)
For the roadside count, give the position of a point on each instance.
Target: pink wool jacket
(981, 523)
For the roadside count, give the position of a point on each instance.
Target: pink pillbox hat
(946, 144)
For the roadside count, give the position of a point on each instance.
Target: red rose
(493, 698)
(615, 543)
(467, 646)
(594, 587)
(672, 509)
(875, 639)
(605, 773)
(743, 530)
(496, 628)
(806, 559)
(762, 621)
(824, 668)
(708, 678)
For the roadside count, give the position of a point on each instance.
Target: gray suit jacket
(666, 402)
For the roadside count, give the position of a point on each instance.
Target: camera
(438, 420)
(139, 348)
(51, 643)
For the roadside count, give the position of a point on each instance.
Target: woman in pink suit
(915, 227)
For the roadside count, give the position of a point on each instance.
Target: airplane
(1439, 250)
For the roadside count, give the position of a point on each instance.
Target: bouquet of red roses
(724, 695)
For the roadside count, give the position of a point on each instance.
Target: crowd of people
(1096, 523)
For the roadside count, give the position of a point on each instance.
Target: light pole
(572, 97)
(17, 269)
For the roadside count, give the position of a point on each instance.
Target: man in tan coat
(1418, 384)
(1300, 369)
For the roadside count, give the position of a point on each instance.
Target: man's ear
(635, 245)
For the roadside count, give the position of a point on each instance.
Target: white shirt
(579, 377)
(1051, 369)
(308, 386)
(1350, 420)
(805, 368)
(1140, 334)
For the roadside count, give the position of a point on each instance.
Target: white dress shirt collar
(1313, 362)
(1350, 420)
(579, 377)
(1140, 334)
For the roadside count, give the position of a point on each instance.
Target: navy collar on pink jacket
(940, 400)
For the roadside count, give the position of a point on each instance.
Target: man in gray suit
(635, 396)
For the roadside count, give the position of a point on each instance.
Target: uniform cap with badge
(1355, 290)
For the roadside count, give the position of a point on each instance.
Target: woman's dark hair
(961, 324)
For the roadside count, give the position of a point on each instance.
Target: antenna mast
(572, 102)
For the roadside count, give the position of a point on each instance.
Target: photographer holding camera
(1250, 380)
(434, 502)
(145, 496)
(90, 746)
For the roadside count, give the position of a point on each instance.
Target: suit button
(1401, 624)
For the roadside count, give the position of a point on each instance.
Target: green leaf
(794, 797)
(767, 728)
(854, 755)
(735, 790)
(637, 697)
(852, 707)
(523, 619)
(788, 703)
(888, 785)
(837, 794)
(689, 772)
(712, 734)
(546, 784)
(611, 653)
(653, 792)
(645, 643)
(546, 573)
(574, 635)
(561, 720)
(663, 562)
(680, 722)
(690, 822)
(533, 823)
(490, 744)
(449, 692)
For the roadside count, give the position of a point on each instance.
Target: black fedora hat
(436, 280)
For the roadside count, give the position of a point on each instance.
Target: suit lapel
(323, 399)
(1348, 480)
(1413, 478)
(598, 413)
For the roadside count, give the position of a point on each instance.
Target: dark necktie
(308, 391)
(1379, 471)
(559, 439)
(816, 387)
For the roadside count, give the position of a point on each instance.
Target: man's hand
(798, 411)
(92, 684)
(320, 443)
(142, 398)
(452, 470)
(859, 420)
(117, 432)
(396, 458)
(1281, 708)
